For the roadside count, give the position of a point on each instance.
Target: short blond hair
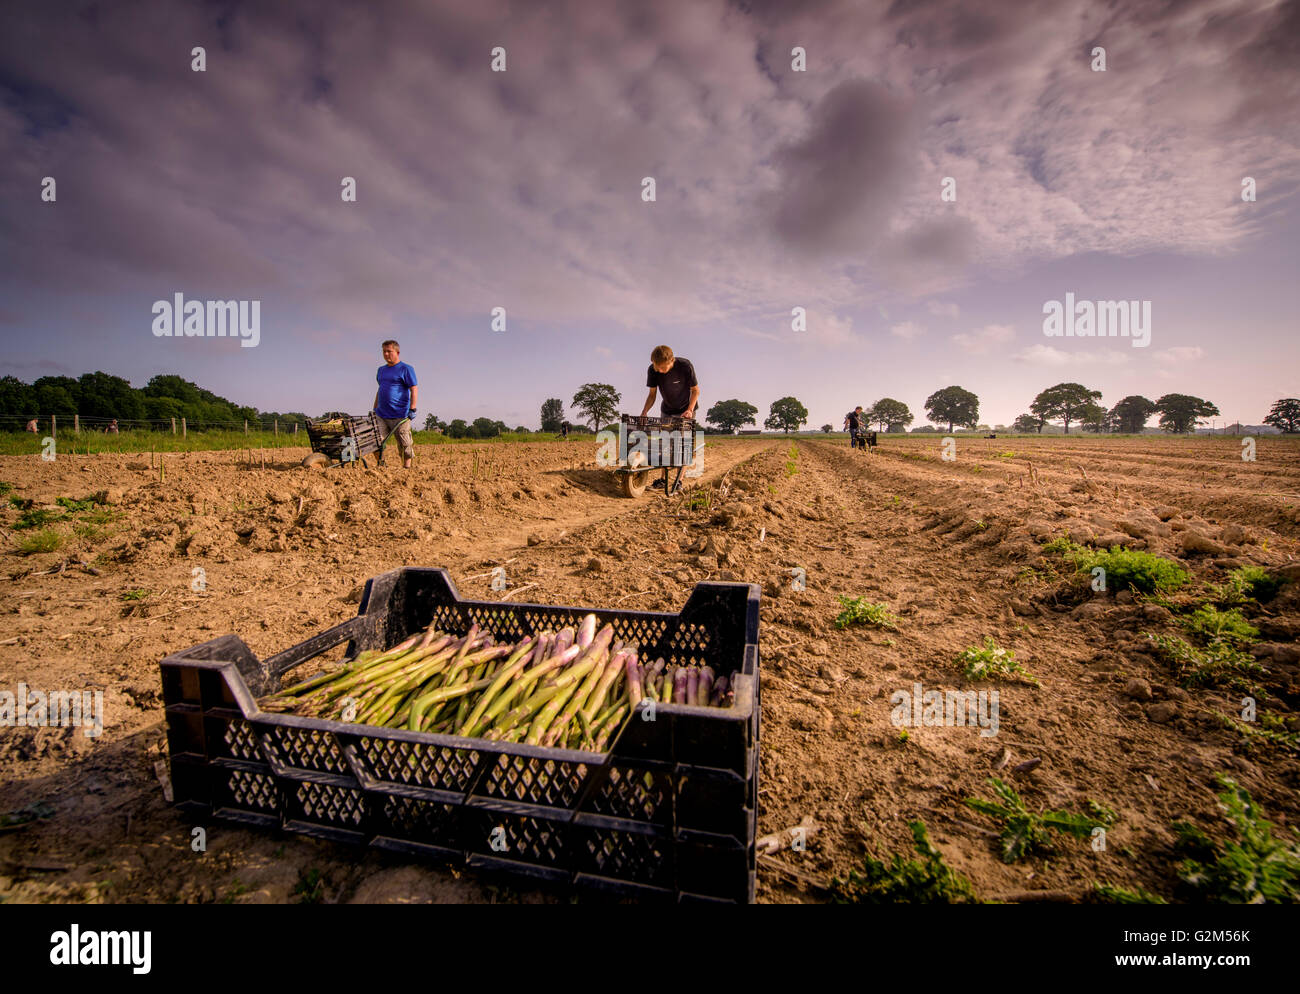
(661, 355)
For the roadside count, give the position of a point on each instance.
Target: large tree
(553, 415)
(104, 396)
(1095, 418)
(1285, 415)
(786, 415)
(1180, 412)
(457, 429)
(1065, 402)
(1132, 413)
(598, 402)
(485, 428)
(954, 406)
(731, 415)
(433, 423)
(889, 414)
(1027, 423)
(56, 395)
(17, 399)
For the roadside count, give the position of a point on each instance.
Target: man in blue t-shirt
(395, 398)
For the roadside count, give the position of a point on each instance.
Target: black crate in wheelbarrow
(667, 813)
(345, 437)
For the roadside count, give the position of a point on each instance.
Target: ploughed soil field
(954, 550)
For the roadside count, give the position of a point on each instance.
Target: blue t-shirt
(395, 384)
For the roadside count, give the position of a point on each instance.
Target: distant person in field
(31, 426)
(564, 431)
(853, 423)
(112, 427)
(395, 398)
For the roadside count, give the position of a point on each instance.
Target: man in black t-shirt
(674, 378)
(856, 429)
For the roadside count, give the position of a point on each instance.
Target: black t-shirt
(674, 386)
(855, 421)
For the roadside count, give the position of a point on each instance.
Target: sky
(781, 181)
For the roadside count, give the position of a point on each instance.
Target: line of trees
(103, 396)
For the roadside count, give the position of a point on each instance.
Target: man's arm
(414, 390)
(375, 405)
(649, 401)
(690, 407)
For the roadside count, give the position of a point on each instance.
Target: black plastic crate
(359, 436)
(656, 442)
(668, 812)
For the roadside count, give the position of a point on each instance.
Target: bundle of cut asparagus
(572, 689)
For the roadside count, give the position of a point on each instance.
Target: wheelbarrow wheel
(317, 460)
(634, 484)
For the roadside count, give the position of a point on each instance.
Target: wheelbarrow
(340, 439)
(649, 444)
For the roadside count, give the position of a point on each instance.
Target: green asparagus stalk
(565, 720)
(514, 665)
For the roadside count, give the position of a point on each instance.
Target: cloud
(604, 353)
(907, 331)
(1179, 353)
(1047, 355)
(943, 309)
(840, 181)
(983, 339)
(772, 185)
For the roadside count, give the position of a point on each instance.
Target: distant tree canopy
(887, 413)
(101, 395)
(1285, 415)
(786, 415)
(731, 415)
(1180, 412)
(1027, 423)
(954, 406)
(1131, 414)
(553, 415)
(1067, 403)
(828, 429)
(598, 402)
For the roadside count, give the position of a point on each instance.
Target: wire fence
(58, 423)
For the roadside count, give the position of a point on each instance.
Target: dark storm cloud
(840, 183)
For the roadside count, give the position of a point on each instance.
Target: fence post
(277, 426)
(184, 433)
(245, 426)
(54, 426)
(76, 424)
(173, 426)
(295, 427)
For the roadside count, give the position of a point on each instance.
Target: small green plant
(45, 540)
(1065, 546)
(1213, 625)
(310, 888)
(905, 881)
(236, 889)
(1256, 868)
(135, 595)
(993, 663)
(35, 518)
(1215, 664)
(1023, 831)
(980, 524)
(1112, 894)
(6, 488)
(903, 737)
(860, 611)
(1271, 732)
(1248, 583)
(1134, 569)
(76, 506)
